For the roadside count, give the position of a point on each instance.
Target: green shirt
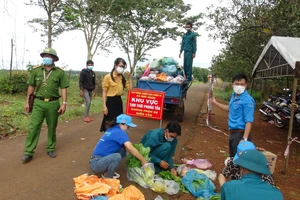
(154, 138)
(189, 42)
(57, 78)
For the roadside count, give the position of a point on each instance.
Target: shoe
(116, 175)
(26, 158)
(91, 119)
(87, 120)
(51, 154)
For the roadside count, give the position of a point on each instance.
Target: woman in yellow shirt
(113, 86)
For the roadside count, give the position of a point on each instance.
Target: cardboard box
(271, 158)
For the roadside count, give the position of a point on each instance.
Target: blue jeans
(88, 99)
(107, 164)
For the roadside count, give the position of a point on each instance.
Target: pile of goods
(165, 69)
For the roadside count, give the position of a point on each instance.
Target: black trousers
(234, 140)
(115, 108)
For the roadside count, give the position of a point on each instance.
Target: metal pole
(160, 124)
(291, 121)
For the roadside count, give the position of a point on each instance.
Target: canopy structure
(280, 58)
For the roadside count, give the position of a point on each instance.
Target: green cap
(51, 52)
(253, 160)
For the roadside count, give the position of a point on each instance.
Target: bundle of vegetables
(198, 184)
(166, 175)
(132, 161)
(143, 175)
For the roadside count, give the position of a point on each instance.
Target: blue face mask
(47, 61)
(90, 67)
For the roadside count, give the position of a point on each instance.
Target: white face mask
(188, 29)
(120, 70)
(238, 89)
(169, 139)
(125, 128)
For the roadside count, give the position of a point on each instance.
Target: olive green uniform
(45, 106)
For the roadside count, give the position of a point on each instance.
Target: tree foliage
(200, 74)
(94, 19)
(245, 27)
(52, 26)
(143, 24)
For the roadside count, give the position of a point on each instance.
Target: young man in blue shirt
(162, 144)
(241, 113)
(112, 147)
(253, 164)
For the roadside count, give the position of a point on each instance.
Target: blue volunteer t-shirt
(111, 142)
(241, 111)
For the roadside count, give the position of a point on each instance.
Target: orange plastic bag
(88, 186)
(161, 77)
(115, 186)
(129, 193)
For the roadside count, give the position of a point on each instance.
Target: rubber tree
(52, 25)
(147, 23)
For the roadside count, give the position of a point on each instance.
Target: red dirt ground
(207, 143)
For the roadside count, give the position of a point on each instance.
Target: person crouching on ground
(253, 164)
(111, 148)
(162, 144)
(234, 171)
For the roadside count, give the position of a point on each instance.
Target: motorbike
(267, 110)
(282, 117)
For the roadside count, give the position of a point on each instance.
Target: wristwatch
(65, 103)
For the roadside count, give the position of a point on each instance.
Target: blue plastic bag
(169, 70)
(198, 184)
(168, 61)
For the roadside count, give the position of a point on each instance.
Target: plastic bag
(158, 198)
(171, 187)
(165, 186)
(168, 61)
(169, 70)
(178, 79)
(200, 163)
(196, 183)
(130, 192)
(212, 175)
(155, 64)
(182, 170)
(159, 186)
(143, 176)
(161, 77)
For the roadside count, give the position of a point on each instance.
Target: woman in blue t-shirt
(112, 147)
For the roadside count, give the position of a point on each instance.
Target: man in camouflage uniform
(47, 78)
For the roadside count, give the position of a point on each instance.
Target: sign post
(146, 104)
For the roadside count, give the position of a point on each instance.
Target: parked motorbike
(282, 117)
(267, 110)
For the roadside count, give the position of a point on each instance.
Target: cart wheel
(180, 114)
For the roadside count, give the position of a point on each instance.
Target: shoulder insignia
(37, 66)
(60, 68)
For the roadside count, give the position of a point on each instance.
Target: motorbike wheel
(279, 123)
(263, 116)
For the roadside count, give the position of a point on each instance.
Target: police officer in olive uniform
(46, 78)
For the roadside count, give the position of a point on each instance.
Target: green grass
(12, 108)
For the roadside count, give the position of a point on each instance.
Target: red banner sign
(145, 103)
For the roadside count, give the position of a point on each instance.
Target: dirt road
(46, 178)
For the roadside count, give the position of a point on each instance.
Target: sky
(71, 47)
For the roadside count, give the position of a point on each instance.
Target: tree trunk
(49, 25)
(11, 59)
